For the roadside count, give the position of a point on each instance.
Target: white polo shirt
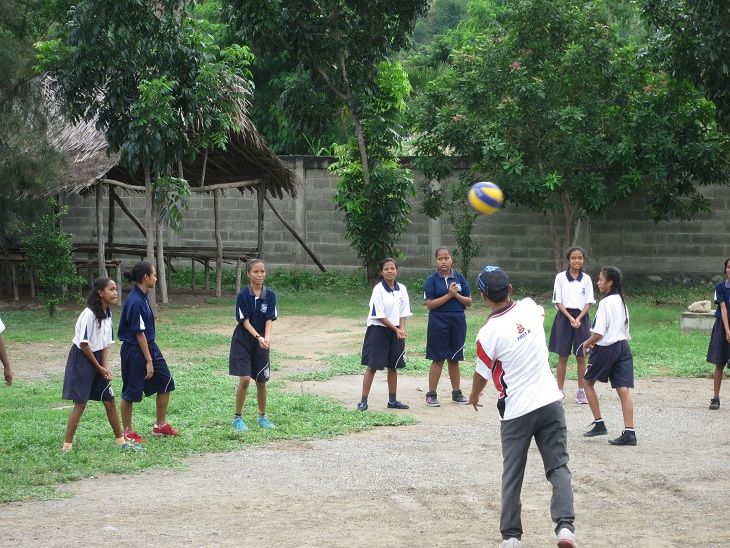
(88, 330)
(511, 351)
(573, 292)
(611, 321)
(2, 326)
(389, 303)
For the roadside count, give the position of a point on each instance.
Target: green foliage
(172, 197)
(50, 254)
(545, 100)
(692, 38)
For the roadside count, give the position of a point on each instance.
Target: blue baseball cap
(492, 280)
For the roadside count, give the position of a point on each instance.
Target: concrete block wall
(514, 238)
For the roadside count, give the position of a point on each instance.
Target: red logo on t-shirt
(520, 329)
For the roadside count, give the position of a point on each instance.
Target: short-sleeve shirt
(437, 286)
(392, 304)
(257, 310)
(136, 317)
(2, 326)
(89, 331)
(511, 351)
(722, 295)
(573, 292)
(611, 321)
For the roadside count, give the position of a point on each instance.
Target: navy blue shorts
(613, 362)
(445, 336)
(247, 358)
(566, 339)
(382, 348)
(718, 352)
(82, 381)
(134, 369)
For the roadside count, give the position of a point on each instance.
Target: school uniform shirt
(611, 320)
(89, 331)
(257, 310)
(136, 317)
(2, 326)
(437, 286)
(511, 351)
(392, 304)
(573, 292)
(722, 295)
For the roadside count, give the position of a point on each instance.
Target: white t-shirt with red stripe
(511, 351)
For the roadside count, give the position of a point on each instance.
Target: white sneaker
(566, 538)
(511, 543)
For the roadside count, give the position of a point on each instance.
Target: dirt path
(433, 483)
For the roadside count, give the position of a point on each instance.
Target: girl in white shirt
(88, 376)
(610, 356)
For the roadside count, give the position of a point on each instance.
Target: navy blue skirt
(82, 381)
(718, 352)
(566, 339)
(382, 348)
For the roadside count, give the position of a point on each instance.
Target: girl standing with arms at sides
(573, 297)
(144, 369)
(610, 356)
(718, 352)
(7, 372)
(249, 356)
(88, 376)
(384, 346)
(447, 295)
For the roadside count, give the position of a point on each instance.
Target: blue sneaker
(130, 446)
(397, 405)
(362, 406)
(264, 422)
(239, 425)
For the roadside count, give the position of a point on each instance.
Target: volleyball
(486, 198)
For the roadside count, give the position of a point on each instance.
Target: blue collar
(571, 279)
(388, 289)
(449, 275)
(727, 284)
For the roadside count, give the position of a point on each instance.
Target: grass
(33, 418)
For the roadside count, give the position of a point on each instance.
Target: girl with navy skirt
(249, 355)
(573, 297)
(718, 352)
(384, 346)
(610, 356)
(446, 294)
(144, 369)
(88, 376)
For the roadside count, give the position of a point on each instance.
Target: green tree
(692, 39)
(568, 120)
(154, 79)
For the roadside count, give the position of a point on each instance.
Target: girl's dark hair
(575, 248)
(726, 263)
(442, 248)
(93, 301)
(613, 275)
(250, 264)
(138, 272)
(387, 260)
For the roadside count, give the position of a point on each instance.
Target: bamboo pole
(101, 255)
(218, 242)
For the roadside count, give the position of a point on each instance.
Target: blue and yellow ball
(486, 198)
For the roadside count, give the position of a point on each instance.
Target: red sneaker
(164, 430)
(133, 437)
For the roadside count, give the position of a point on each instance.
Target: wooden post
(238, 275)
(32, 284)
(90, 269)
(100, 229)
(192, 268)
(119, 283)
(149, 216)
(16, 296)
(218, 242)
(161, 267)
(260, 194)
(112, 216)
(206, 275)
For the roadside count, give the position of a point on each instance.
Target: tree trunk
(363, 150)
(112, 217)
(149, 230)
(218, 242)
(260, 192)
(161, 267)
(100, 228)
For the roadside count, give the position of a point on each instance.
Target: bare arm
(6, 363)
(478, 383)
(723, 316)
(400, 329)
(592, 340)
(142, 341)
(453, 293)
(86, 349)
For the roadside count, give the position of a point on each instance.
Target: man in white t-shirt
(511, 351)
(4, 357)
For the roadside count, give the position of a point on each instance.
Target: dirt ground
(433, 483)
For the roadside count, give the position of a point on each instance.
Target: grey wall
(514, 238)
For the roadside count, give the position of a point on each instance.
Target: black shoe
(457, 396)
(715, 403)
(599, 429)
(627, 437)
(397, 405)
